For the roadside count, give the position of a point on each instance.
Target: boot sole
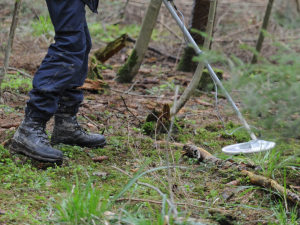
(87, 146)
(18, 147)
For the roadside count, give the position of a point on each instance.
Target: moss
(186, 63)
(95, 69)
(206, 83)
(124, 74)
(149, 128)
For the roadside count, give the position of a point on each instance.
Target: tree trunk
(133, 63)
(298, 5)
(10, 41)
(199, 23)
(263, 29)
(199, 70)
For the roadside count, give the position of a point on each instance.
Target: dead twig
(21, 72)
(272, 184)
(178, 203)
(138, 95)
(9, 125)
(130, 110)
(91, 121)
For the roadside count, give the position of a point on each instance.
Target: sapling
(10, 42)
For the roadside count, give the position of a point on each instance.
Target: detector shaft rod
(208, 66)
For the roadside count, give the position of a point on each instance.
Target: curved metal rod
(209, 68)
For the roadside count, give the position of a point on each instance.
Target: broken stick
(111, 48)
(272, 184)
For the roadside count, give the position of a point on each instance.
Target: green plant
(270, 91)
(148, 128)
(43, 26)
(284, 216)
(156, 90)
(85, 204)
(15, 82)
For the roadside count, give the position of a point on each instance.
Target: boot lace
(41, 134)
(77, 126)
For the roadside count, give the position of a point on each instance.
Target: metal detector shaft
(209, 68)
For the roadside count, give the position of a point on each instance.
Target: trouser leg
(64, 67)
(70, 99)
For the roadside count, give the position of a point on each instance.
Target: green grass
(16, 83)
(43, 26)
(75, 193)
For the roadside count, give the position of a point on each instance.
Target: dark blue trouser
(65, 66)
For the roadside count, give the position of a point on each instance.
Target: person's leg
(71, 98)
(59, 71)
(66, 128)
(62, 67)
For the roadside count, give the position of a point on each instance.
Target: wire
(182, 18)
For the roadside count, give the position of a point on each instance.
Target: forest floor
(36, 193)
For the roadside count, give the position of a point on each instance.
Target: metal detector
(253, 146)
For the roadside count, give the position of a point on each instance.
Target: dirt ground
(119, 111)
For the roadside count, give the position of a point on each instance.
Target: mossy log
(206, 83)
(95, 68)
(111, 48)
(186, 63)
(158, 120)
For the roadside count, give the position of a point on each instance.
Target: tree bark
(199, 22)
(10, 41)
(298, 5)
(133, 63)
(199, 70)
(263, 29)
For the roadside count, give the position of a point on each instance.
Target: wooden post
(133, 63)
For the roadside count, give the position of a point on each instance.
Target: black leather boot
(31, 139)
(68, 131)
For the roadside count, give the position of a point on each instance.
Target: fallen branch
(177, 203)
(111, 48)
(93, 85)
(21, 72)
(130, 110)
(201, 154)
(272, 184)
(152, 49)
(9, 125)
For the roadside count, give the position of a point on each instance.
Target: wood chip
(100, 158)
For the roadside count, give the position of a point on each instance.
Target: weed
(43, 26)
(284, 216)
(149, 128)
(166, 86)
(16, 83)
(84, 205)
